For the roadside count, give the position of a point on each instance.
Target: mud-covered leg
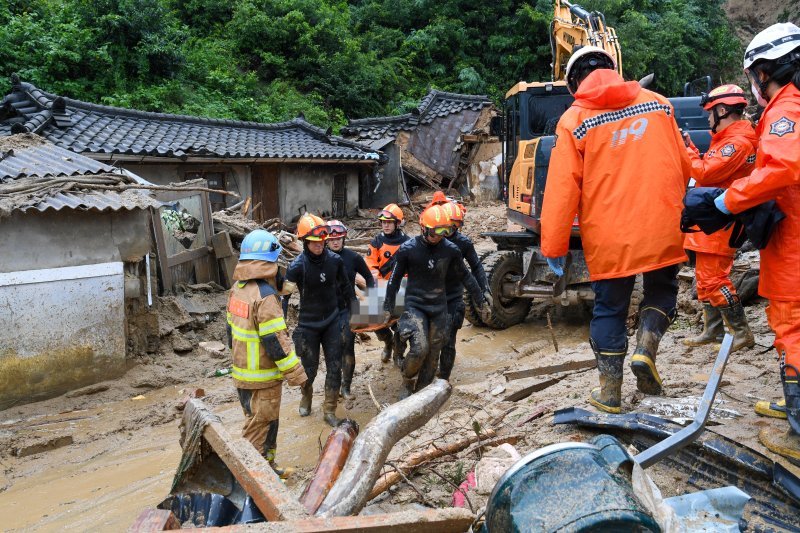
(437, 335)
(386, 336)
(332, 346)
(348, 360)
(306, 345)
(447, 358)
(413, 328)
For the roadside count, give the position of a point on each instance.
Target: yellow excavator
(516, 271)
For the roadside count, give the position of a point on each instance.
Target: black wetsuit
(353, 264)
(424, 322)
(455, 301)
(323, 284)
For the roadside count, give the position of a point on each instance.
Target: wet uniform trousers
(380, 260)
(423, 324)
(322, 283)
(455, 301)
(353, 264)
(607, 329)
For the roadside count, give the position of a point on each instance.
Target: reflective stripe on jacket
(620, 164)
(776, 177)
(732, 155)
(261, 347)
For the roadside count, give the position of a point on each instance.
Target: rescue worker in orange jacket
(772, 63)
(620, 164)
(263, 354)
(380, 260)
(732, 154)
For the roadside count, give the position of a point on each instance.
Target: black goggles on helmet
(706, 99)
(337, 230)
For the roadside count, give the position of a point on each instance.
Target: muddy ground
(95, 459)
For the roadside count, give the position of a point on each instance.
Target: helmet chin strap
(718, 117)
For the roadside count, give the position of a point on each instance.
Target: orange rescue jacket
(732, 155)
(381, 251)
(776, 177)
(262, 350)
(620, 164)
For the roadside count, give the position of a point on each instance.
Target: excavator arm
(573, 26)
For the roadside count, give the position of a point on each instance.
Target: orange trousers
(784, 319)
(713, 279)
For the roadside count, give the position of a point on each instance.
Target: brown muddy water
(111, 473)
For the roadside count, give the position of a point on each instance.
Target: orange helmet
(435, 219)
(456, 212)
(724, 94)
(391, 212)
(336, 229)
(439, 198)
(312, 228)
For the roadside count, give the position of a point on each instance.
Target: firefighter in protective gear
(263, 355)
(380, 260)
(614, 130)
(322, 283)
(428, 260)
(454, 289)
(353, 264)
(732, 155)
(772, 62)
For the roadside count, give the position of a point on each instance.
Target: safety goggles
(319, 232)
(387, 215)
(444, 231)
(337, 230)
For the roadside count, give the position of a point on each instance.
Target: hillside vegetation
(269, 60)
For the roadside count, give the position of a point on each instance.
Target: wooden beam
(447, 520)
(154, 520)
(161, 248)
(253, 472)
(189, 255)
(524, 392)
(552, 369)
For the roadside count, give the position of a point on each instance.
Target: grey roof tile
(86, 127)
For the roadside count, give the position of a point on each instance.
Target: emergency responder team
(621, 165)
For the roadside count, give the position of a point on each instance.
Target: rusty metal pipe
(331, 461)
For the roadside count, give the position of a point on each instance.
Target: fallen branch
(374, 400)
(552, 333)
(496, 441)
(416, 459)
(584, 364)
(462, 491)
(350, 493)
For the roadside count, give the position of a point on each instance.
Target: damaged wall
(483, 172)
(312, 186)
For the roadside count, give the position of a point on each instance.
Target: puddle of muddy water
(105, 483)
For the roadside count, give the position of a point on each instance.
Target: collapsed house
(74, 271)
(440, 144)
(285, 168)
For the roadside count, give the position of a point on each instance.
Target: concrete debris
(180, 344)
(86, 391)
(213, 349)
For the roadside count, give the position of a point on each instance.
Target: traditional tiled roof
(434, 105)
(96, 129)
(35, 174)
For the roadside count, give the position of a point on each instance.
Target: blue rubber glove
(557, 264)
(719, 202)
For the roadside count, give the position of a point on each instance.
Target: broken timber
(524, 392)
(252, 472)
(552, 369)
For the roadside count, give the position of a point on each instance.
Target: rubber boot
(283, 473)
(653, 323)
(348, 368)
(712, 327)
(408, 388)
(734, 318)
(608, 397)
(791, 394)
(771, 409)
(780, 441)
(329, 408)
(305, 400)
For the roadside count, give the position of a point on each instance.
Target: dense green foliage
(269, 60)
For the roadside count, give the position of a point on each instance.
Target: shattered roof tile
(85, 127)
(434, 105)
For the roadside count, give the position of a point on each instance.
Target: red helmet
(729, 94)
(455, 211)
(311, 228)
(336, 229)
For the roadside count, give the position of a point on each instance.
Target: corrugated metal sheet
(43, 160)
(98, 201)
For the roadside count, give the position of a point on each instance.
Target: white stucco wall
(312, 186)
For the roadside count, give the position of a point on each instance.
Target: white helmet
(772, 43)
(583, 51)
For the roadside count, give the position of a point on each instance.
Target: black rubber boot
(653, 323)
(713, 329)
(408, 388)
(329, 408)
(608, 397)
(305, 400)
(734, 318)
(348, 368)
(791, 393)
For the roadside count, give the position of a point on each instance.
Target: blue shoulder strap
(265, 289)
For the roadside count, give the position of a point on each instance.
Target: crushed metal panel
(435, 144)
(62, 328)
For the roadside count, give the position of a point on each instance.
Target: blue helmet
(260, 245)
